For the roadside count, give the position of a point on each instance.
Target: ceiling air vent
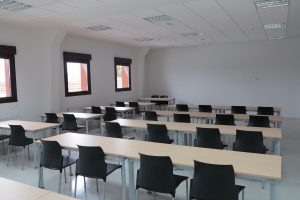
(14, 5)
(271, 3)
(143, 39)
(192, 35)
(159, 18)
(98, 28)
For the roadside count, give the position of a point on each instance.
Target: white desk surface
(11, 190)
(245, 164)
(191, 127)
(224, 107)
(28, 125)
(243, 117)
(78, 115)
(156, 99)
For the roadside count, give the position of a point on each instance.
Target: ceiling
(160, 23)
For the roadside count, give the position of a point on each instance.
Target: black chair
(261, 110)
(205, 108)
(91, 164)
(120, 104)
(135, 105)
(216, 182)
(182, 107)
(164, 96)
(17, 138)
(2, 138)
(96, 110)
(52, 158)
(113, 129)
(209, 138)
(110, 114)
(151, 115)
(51, 118)
(225, 119)
(259, 121)
(158, 133)
(70, 123)
(155, 96)
(156, 175)
(238, 110)
(249, 141)
(185, 118)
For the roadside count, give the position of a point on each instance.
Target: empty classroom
(149, 99)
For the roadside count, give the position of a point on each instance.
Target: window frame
(124, 62)
(77, 58)
(9, 52)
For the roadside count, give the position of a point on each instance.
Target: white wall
(259, 73)
(102, 71)
(39, 71)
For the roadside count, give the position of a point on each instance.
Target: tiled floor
(287, 189)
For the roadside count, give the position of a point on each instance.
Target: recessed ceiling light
(277, 38)
(271, 3)
(98, 28)
(275, 26)
(143, 39)
(192, 34)
(14, 5)
(159, 18)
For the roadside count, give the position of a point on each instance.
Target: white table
(274, 134)
(31, 127)
(122, 110)
(83, 116)
(274, 119)
(12, 190)
(258, 167)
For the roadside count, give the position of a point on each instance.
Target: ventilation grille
(14, 5)
(271, 3)
(192, 35)
(275, 26)
(159, 18)
(143, 39)
(98, 28)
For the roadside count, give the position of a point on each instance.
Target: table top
(245, 164)
(191, 127)
(224, 107)
(156, 99)
(12, 190)
(78, 115)
(28, 125)
(118, 109)
(244, 117)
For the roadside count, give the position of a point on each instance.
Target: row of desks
(275, 119)
(257, 167)
(11, 190)
(270, 133)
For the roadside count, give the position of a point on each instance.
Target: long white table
(12, 190)
(31, 127)
(145, 105)
(274, 134)
(275, 119)
(149, 99)
(258, 167)
(122, 110)
(224, 108)
(83, 116)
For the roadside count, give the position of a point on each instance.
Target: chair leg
(24, 152)
(65, 175)
(84, 188)
(8, 155)
(75, 186)
(97, 185)
(59, 181)
(28, 152)
(187, 189)
(104, 186)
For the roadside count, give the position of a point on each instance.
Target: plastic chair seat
(111, 168)
(3, 137)
(179, 179)
(67, 161)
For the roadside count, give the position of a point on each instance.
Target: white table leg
(124, 194)
(277, 146)
(87, 126)
(132, 191)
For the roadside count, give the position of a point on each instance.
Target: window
(77, 74)
(8, 88)
(122, 74)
